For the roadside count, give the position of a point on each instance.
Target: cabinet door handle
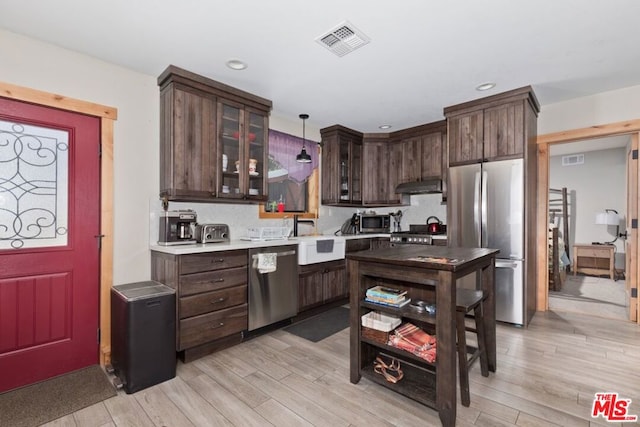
(218, 280)
(217, 260)
(219, 300)
(217, 326)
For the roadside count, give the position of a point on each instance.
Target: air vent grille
(572, 160)
(343, 39)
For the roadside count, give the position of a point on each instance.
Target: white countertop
(246, 244)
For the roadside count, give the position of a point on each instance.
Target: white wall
(30, 63)
(600, 109)
(596, 185)
(603, 108)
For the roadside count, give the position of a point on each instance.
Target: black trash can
(143, 334)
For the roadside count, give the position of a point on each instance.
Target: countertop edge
(245, 244)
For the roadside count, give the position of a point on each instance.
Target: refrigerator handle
(476, 207)
(484, 233)
(506, 264)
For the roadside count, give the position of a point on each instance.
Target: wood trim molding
(543, 141)
(20, 93)
(591, 132)
(542, 237)
(108, 115)
(106, 229)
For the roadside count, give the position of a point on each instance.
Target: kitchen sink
(312, 250)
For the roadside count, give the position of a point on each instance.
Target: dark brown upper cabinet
(382, 170)
(491, 128)
(204, 126)
(422, 152)
(341, 166)
(364, 169)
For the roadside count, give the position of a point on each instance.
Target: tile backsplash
(240, 216)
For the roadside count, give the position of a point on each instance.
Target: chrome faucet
(297, 220)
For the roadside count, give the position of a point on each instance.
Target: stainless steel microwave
(374, 223)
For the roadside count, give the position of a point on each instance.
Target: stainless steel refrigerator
(485, 209)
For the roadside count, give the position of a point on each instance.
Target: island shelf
(427, 273)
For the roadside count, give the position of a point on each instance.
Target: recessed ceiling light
(385, 126)
(485, 86)
(236, 64)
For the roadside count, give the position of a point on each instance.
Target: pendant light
(303, 157)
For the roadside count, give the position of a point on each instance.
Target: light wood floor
(547, 376)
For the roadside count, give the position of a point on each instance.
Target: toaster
(212, 233)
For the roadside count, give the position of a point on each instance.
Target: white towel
(267, 262)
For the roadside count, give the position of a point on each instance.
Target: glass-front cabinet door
(257, 142)
(243, 152)
(356, 172)
(232, 169)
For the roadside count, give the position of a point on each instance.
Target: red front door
(49, 254)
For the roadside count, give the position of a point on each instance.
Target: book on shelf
(386, 300)
(387, 293)
(389, 304)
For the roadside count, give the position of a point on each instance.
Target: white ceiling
(423, 55)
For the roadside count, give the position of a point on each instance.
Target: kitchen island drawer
(197, 263)
(196, 283)
(216, 300)
(208, 327)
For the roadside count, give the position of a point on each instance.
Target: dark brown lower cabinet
(321, 283)
(211, 290)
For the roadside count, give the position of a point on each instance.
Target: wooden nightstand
(594, 260)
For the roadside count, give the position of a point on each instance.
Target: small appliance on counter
(177, 227)
(435, 226)
(350, 226)
(371, 222)
(212, 233)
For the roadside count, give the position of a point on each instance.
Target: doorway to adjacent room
(631, 128)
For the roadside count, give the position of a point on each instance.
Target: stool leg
(463, 365)
(482, 342)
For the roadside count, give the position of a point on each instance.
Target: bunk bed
(559, 263)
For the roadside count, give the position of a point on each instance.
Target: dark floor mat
(48, 400)
(321, 326)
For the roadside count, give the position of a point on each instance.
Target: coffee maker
(177, 227)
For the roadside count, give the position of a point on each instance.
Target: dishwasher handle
(284, 253)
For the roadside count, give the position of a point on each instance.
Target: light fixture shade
(607, 218)
(303, 157)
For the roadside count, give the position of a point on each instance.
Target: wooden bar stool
(467, 300)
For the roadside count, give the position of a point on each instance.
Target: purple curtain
(283, 149)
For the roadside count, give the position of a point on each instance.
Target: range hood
(420, 187)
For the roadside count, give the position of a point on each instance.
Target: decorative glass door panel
(34, 163)
(345, 165)
(356, 172)
(257, 140)
(231, 153)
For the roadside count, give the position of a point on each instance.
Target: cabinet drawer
(197, 263)
(212, 281)
(210, 301)
(209, 327)
(594, 252)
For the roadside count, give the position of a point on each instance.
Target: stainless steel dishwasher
(273, 295)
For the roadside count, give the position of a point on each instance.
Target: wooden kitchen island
(428, 273)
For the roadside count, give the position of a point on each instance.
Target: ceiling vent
(343, 39)
(572, 160)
